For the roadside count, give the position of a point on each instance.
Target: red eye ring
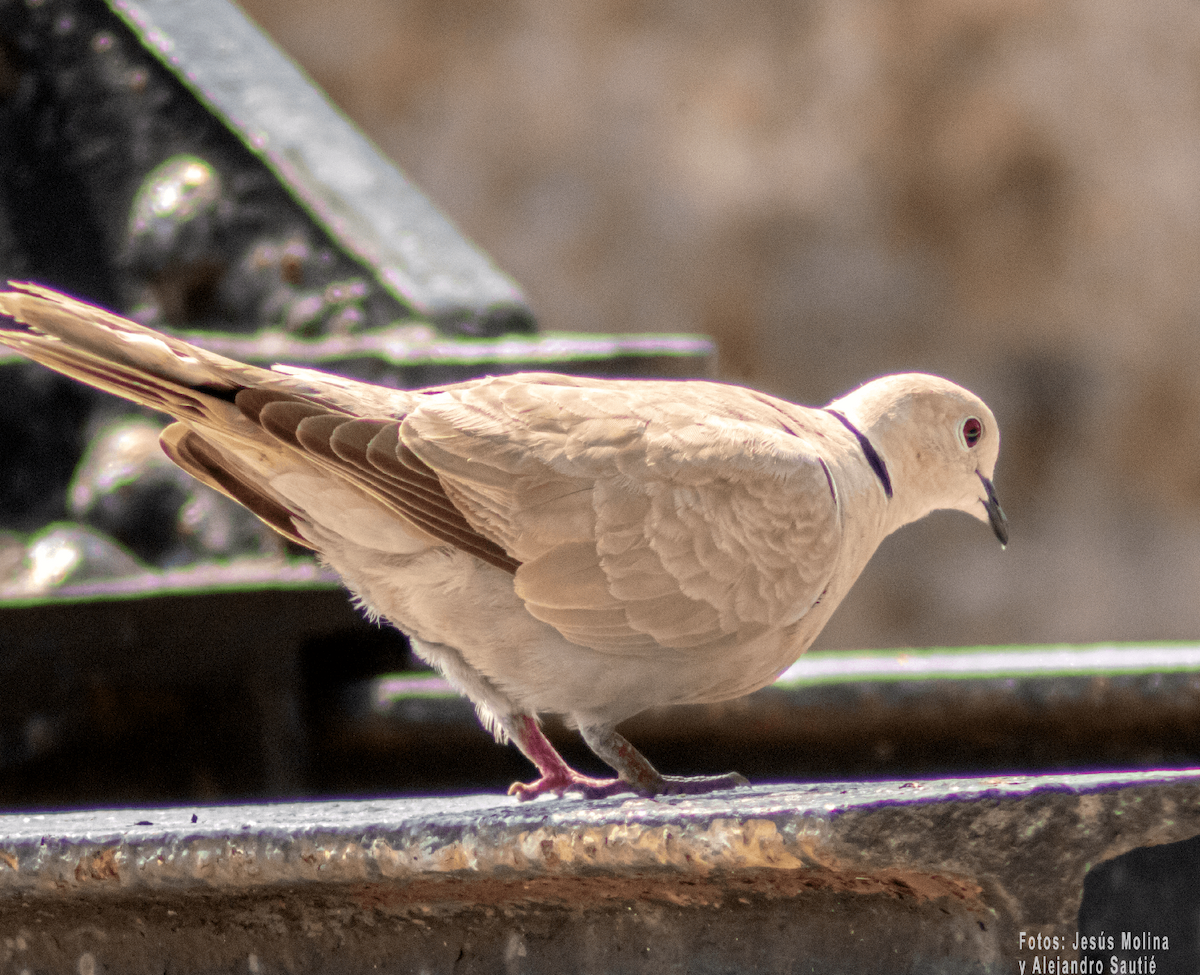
(972, 430)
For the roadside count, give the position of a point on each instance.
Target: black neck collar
(869, 451)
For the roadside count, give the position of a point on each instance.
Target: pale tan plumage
(552, 543)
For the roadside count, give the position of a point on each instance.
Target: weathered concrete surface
(909, 876)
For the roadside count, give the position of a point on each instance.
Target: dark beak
(995, 512)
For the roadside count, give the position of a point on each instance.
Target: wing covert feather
(342, 445)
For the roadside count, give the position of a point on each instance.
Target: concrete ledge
(908, 876)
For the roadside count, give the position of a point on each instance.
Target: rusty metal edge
(982, 837)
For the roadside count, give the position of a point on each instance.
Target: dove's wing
(643, 514)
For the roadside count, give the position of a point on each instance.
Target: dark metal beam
(359, 197)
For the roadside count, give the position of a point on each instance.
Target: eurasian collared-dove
(557, 544)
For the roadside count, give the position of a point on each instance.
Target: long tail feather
(122, 357)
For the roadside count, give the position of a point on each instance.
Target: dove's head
(937, 441)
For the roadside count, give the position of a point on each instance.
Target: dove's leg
(634, 768)
(496, 711)
(503, 718)
(636, 774)
(557, 776)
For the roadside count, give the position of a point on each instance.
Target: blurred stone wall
(1004, 192)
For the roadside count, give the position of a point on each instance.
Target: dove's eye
(971, 431)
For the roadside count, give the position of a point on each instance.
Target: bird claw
(672, 785)
(574, 782)
(637, 774)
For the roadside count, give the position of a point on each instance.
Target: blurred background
(1005, 193)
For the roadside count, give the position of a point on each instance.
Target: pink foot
(673, 785)
(557, 776)
(568, 780)
(639, 775)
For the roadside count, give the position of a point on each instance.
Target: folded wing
(643, 514)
